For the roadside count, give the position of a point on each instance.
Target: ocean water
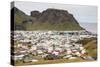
(91, 27)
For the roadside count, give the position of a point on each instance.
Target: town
(31, 46)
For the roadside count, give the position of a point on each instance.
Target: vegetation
(91, 48)
(90, 44)
(42, 61)
(86, 40)
(48, 26)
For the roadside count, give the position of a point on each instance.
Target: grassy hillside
(91, 47)
(45, 24)
(90, 44)
(48, 26)
(20, 16)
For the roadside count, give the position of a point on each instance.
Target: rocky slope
(49, 19)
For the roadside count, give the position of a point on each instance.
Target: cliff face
(50, 19)
(54, 16)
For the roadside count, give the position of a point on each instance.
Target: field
(20, 63)
(90, 44)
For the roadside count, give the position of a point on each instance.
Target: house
(53, 42)
(18, 57)
(56, 52)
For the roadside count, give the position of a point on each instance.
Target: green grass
(48, 26)
(42, 61)
(91, 48)
(90, 44)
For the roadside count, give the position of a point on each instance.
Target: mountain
(49, 19)
(18, 18)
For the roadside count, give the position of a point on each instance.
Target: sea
(91, 27)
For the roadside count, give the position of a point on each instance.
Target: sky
(82, 13)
